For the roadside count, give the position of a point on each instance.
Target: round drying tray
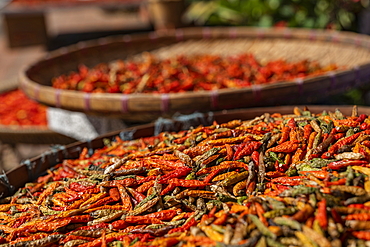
(29, 134)
(31, 169)
(349, 50)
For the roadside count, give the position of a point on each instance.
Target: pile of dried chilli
(276, 180)
(185, 73)
(17, 109)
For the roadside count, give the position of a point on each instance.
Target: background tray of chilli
(342, 48)
(29, 134)
(31, 169)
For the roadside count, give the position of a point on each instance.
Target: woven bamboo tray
(29, 134)
(31, 169)
(342, 48)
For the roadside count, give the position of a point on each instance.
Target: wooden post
(25, 28)
(166, 14)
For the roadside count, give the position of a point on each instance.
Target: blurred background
(31, 28)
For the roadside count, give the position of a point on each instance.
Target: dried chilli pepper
(233, 183)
